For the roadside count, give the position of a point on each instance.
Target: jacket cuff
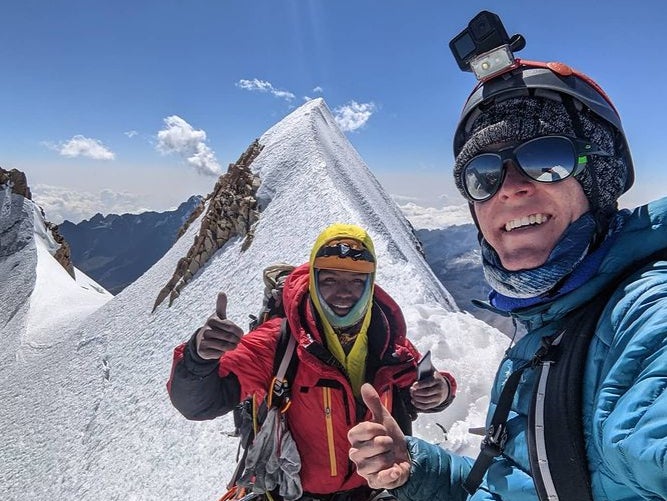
(195, 364)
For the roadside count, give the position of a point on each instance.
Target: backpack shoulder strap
(284, 368)
(286, 346)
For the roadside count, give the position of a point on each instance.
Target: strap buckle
(493, 443)
(279, 396)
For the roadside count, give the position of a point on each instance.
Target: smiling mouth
(532, 220)
(339, 308)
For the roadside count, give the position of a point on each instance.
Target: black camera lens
(484, 33)
(463, 46)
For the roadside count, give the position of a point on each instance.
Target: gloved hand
(218, 335)
(430, 392)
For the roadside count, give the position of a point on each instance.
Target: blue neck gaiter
(569, 265)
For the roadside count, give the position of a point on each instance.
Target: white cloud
(131, 133)
(180, 138)
(433, 218)
(81, 146)
(60, 203)
(353, 115)
(318, 89)
(264, 86)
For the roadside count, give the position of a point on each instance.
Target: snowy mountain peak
(302, 175)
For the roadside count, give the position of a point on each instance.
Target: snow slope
(91, 418)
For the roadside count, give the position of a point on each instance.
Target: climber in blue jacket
(542, 159)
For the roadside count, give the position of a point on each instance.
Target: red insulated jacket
(323, 407)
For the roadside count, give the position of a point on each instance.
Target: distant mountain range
(115, 250)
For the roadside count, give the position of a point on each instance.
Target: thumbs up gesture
(378, 446)
(218, 335)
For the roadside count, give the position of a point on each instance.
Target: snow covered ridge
(90, 418)
(41, 300)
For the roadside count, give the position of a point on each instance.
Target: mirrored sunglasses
(546, 159)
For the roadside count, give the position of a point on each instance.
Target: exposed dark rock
(17, 181)
(232, 210)
(63, 255)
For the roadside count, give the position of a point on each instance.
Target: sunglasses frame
(582, 149)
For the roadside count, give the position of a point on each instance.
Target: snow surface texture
(91, 418)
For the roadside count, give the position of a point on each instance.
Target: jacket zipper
(328, 418)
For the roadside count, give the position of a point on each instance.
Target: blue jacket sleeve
(435, 475)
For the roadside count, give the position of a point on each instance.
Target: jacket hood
(342, 232)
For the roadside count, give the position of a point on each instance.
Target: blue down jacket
(624, 397)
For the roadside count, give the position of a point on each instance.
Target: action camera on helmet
(484, 46)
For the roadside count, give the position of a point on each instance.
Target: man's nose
(515, 183)
(344, 290)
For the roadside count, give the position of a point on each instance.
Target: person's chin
(523, 259)
(525, 250)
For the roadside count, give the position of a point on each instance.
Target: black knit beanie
(518, 119)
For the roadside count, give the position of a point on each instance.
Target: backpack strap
(555, 429)
(286, 368)
(493, 443)
(555, 434)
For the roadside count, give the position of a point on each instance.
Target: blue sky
(103, 102)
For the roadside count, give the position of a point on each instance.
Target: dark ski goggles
(342, 250)
(345, 255)
(546, 159)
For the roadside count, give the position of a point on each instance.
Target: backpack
(274, 277)
(250, 414)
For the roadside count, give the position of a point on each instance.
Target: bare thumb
(221, 305)
(372, 400)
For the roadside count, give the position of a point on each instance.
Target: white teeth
(525, 221)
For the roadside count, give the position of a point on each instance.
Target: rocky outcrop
(232, 211)
(17, 181)
(193, 216)
(63, 254)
